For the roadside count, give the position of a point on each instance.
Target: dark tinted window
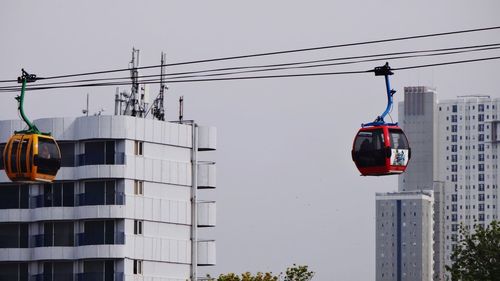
(2, 147)
(369, 148)
(49, 159)
(67, 154)
(398, 139)
(14, 196)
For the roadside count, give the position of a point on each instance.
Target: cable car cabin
(31, 158)
(381, 150)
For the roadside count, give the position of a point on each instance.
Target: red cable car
(381, 148)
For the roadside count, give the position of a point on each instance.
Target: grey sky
(288, 191)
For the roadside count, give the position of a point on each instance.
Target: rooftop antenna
(158, 109)
(86, 110)
(181, 108)
(132, 107)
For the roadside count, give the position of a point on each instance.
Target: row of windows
(480, 137)
(480, 217)
(480, 207)
(480, 128)
(480, 117)
(480, 107)
(101, 270)
(480, 197)
(454, 147)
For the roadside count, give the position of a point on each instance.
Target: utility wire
(262, 77)
(294, 65)
(279, 52)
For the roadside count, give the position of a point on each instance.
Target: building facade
(404, 236)
(468, 163)
(124, 205)
(454, 152)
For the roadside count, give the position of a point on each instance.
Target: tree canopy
(477, 255)
(293, 273)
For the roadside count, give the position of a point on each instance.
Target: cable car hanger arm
(385, 71)
(24, 79)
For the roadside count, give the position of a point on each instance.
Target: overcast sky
(287, 191)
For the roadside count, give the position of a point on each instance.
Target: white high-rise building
(124, 205)
(454, 152)
(469, 130)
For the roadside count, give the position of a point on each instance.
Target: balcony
(100, 159)
(100, 276)
(56, 240)
(86, 199)
(207, 138)
(52, 277)
(85, 239)
(206, 253)
(206, 175)
(206, 213)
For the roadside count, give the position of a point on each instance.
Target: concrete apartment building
(404, 236)
(469, 129)
(454, 153)
(124, 205)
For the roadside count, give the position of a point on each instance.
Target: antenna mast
(132, 107)
(158, 109)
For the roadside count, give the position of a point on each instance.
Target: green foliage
(298, 273)
(294, 273)
(477, 255)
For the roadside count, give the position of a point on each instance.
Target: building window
(481, 207)
(480, 117)
(454, 118)
(453, 198)
(101, 193)
(14, 196)
(481, 177)
(454, 148)
(454, 128)
(138, 187)
(14, 271)
(480, 147)
(453, 138)
(480, 107)
(481, 187)
(481, 197)
(56, 234)
(481, 137)
(454, 158)
(137, 267)
(59, 194)
(13, 235)
(481, 157)
(138, 226)
(67, 153)
(453, 168)
(98, 153)
(139, 148)
(454, 108)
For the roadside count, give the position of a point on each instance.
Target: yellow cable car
(30, 155)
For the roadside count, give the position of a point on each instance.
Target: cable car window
(398, 139)
(2, 147)
(23, 155)
(13, 155)
(369, 148)
(48, 157)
